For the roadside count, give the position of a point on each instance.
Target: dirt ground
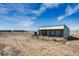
(24, 44)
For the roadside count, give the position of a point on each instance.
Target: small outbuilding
(54, 31)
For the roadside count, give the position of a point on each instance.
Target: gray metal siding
(51, 32)
(66, 32)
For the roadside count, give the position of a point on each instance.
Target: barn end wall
(66, 32)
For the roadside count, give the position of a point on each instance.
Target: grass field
(24, 44)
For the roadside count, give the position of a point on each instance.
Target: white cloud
(60, 18)
(19, 17)
(26, 21)
(44, 7)
(3, 10)
(69, 11)
(20, 8)
(50, 5)
(19, 20)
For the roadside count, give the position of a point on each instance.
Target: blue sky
(30, 16)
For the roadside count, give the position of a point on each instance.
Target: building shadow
(73, 38)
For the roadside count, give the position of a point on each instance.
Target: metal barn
(54, 31)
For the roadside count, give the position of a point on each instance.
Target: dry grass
(24, 44)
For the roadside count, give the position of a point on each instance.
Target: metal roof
(53, 25)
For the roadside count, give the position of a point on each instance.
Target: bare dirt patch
(24, 44)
